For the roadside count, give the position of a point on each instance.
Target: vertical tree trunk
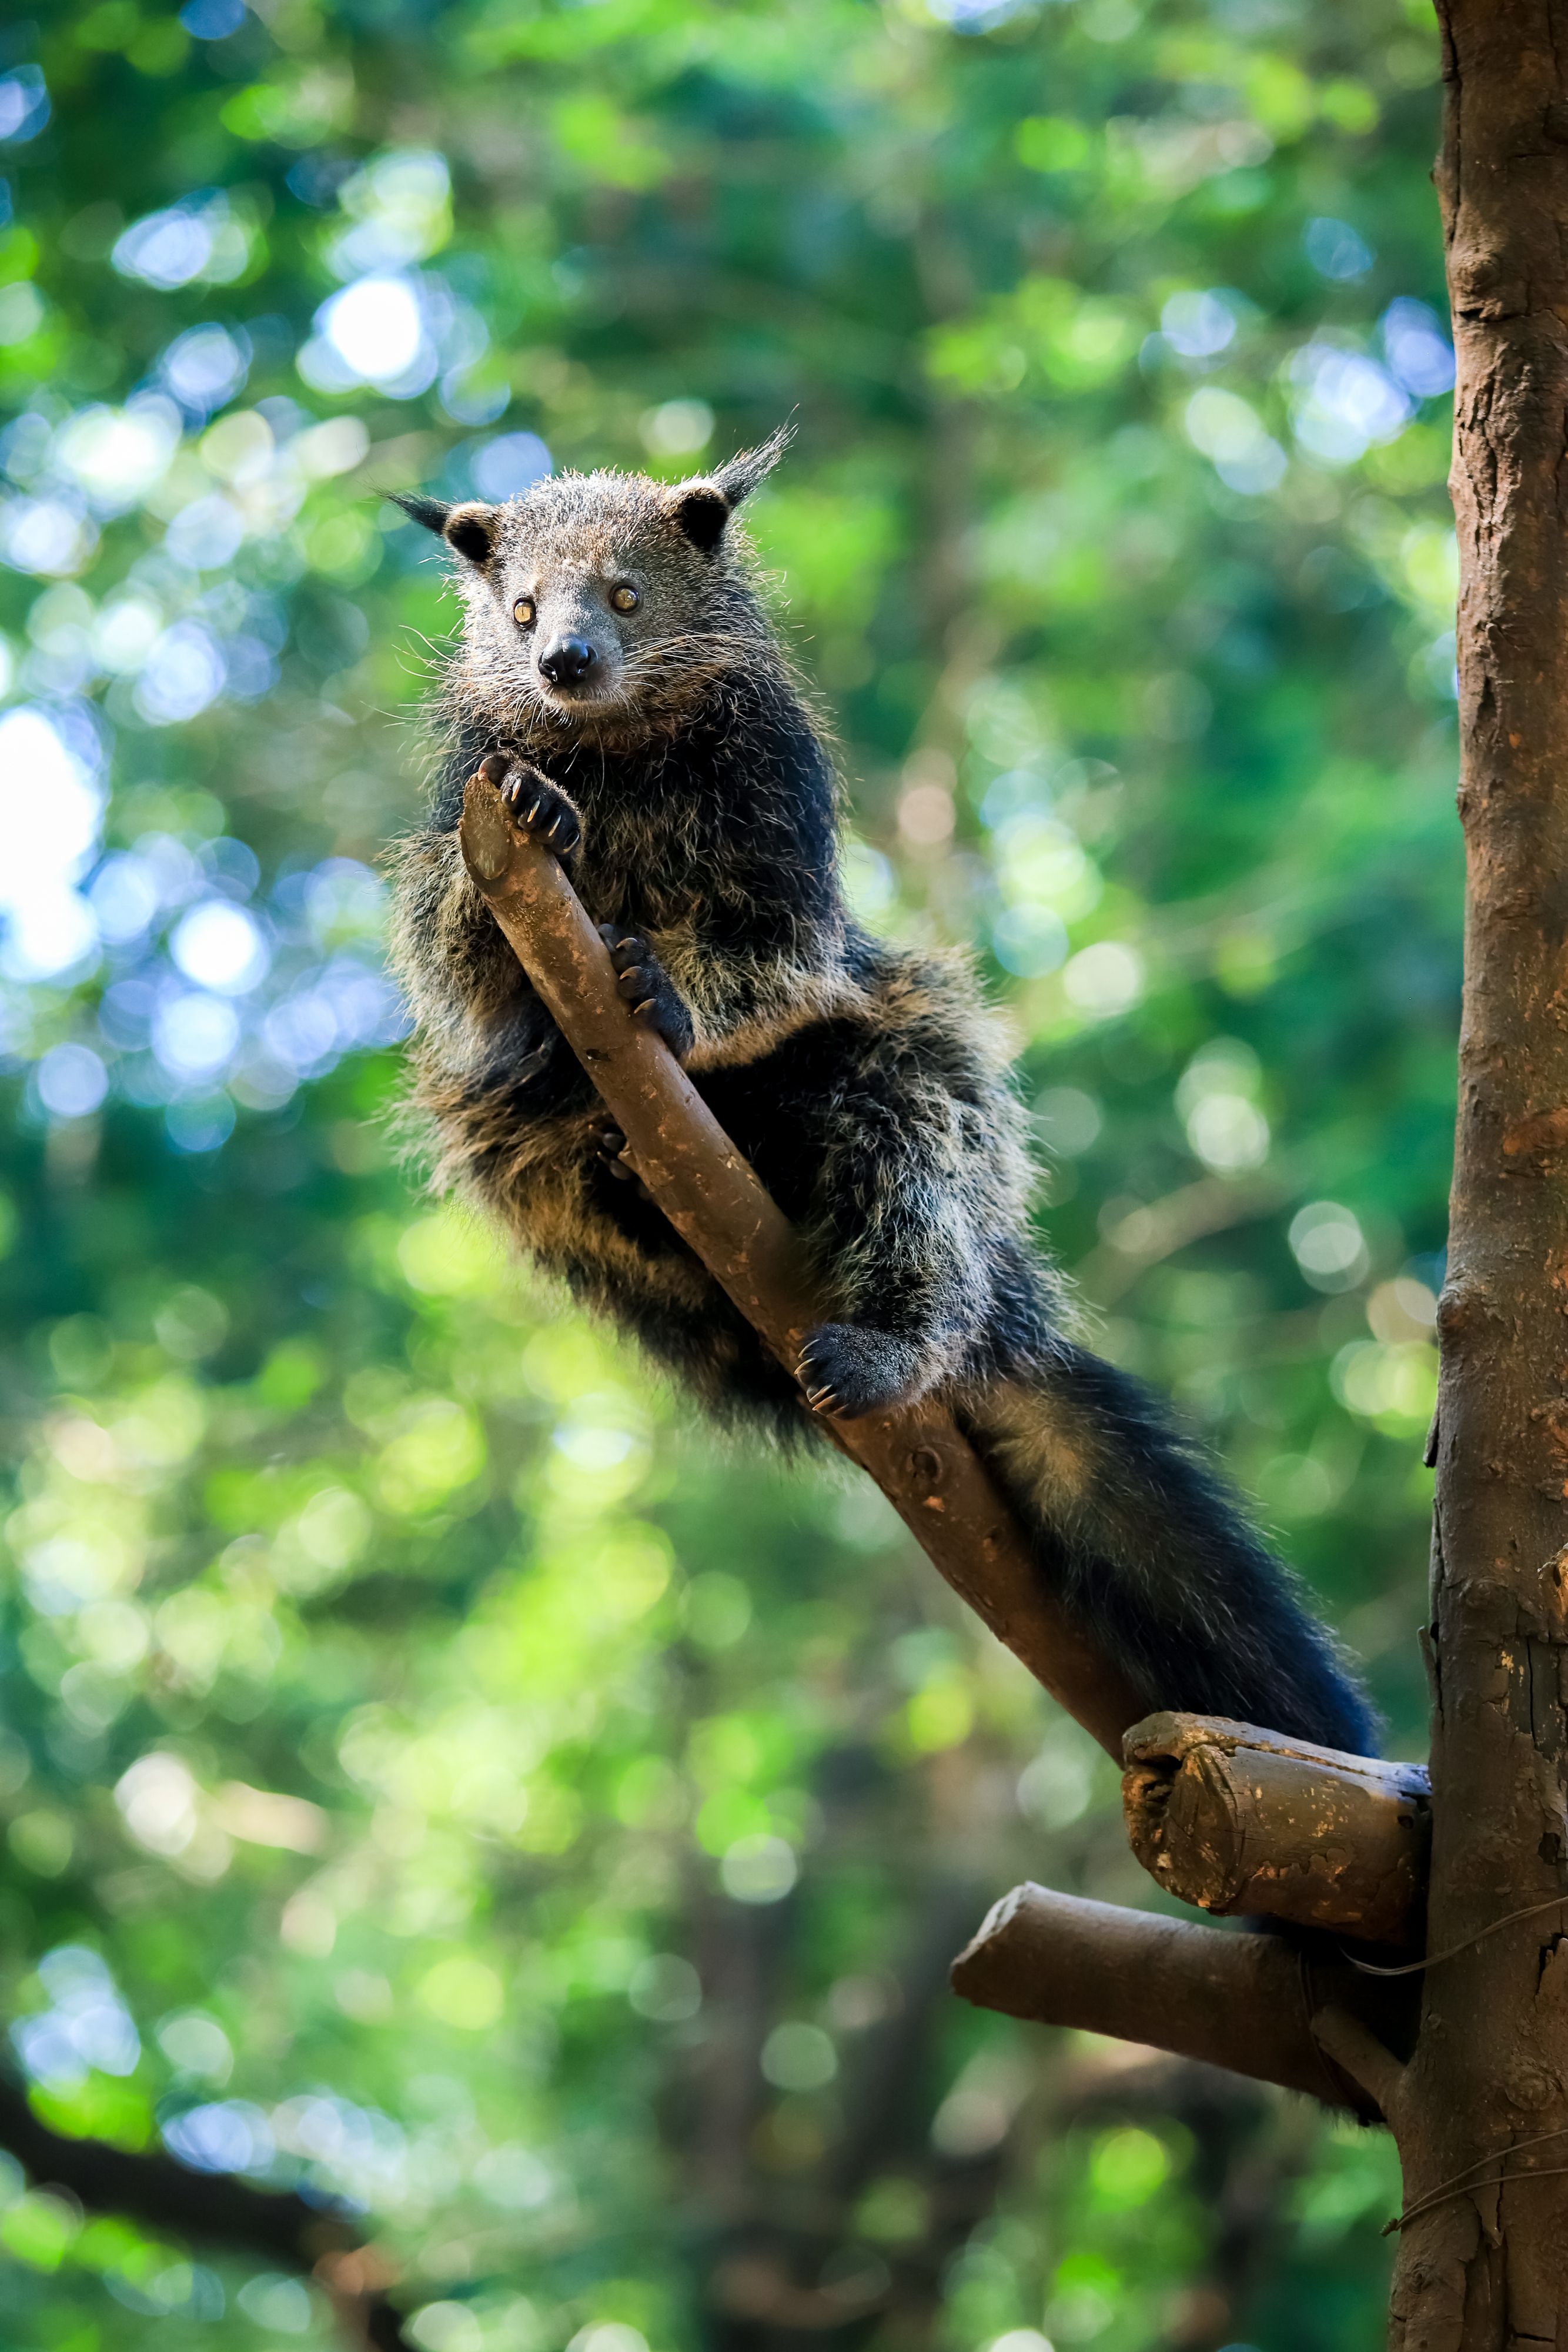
(1483, 2105)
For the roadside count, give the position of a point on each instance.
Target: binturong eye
(624, 599)
(523, 611)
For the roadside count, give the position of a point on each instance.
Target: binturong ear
(470, 529)
(702, 512)
(703, 508)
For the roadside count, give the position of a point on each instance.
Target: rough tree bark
(1482, 2111)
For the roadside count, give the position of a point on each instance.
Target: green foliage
(433, 1770)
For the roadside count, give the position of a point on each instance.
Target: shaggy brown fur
(618, 666)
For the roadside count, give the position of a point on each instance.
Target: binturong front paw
(848, 1368)
(641, 981)
(535, 806)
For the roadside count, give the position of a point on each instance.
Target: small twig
(1357, 2051)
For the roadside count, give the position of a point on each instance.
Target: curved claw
(612, 1144)
(627, 950)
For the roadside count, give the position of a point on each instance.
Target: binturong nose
(566, 661)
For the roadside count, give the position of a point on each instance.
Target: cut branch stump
(1243, 2001)
(1235, 1819)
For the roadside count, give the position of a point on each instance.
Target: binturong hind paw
(535, 806)
(641, 981)
(849, 1368)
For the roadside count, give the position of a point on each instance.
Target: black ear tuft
(703, 508)
(471, 530)
(701, 514)
(430, 512)
(740, 476)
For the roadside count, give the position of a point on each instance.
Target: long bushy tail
(1141, 1539)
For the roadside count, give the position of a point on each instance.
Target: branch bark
(1484, 2264)
(1235, 1819)
(916, 1453)
(1243, 2001)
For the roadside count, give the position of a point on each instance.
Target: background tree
(435, 1773)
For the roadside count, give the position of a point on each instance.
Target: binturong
(618, 669)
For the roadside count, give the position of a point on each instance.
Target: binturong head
(603, 608)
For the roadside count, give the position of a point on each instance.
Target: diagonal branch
(916, 1453)
(1244, 2002)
